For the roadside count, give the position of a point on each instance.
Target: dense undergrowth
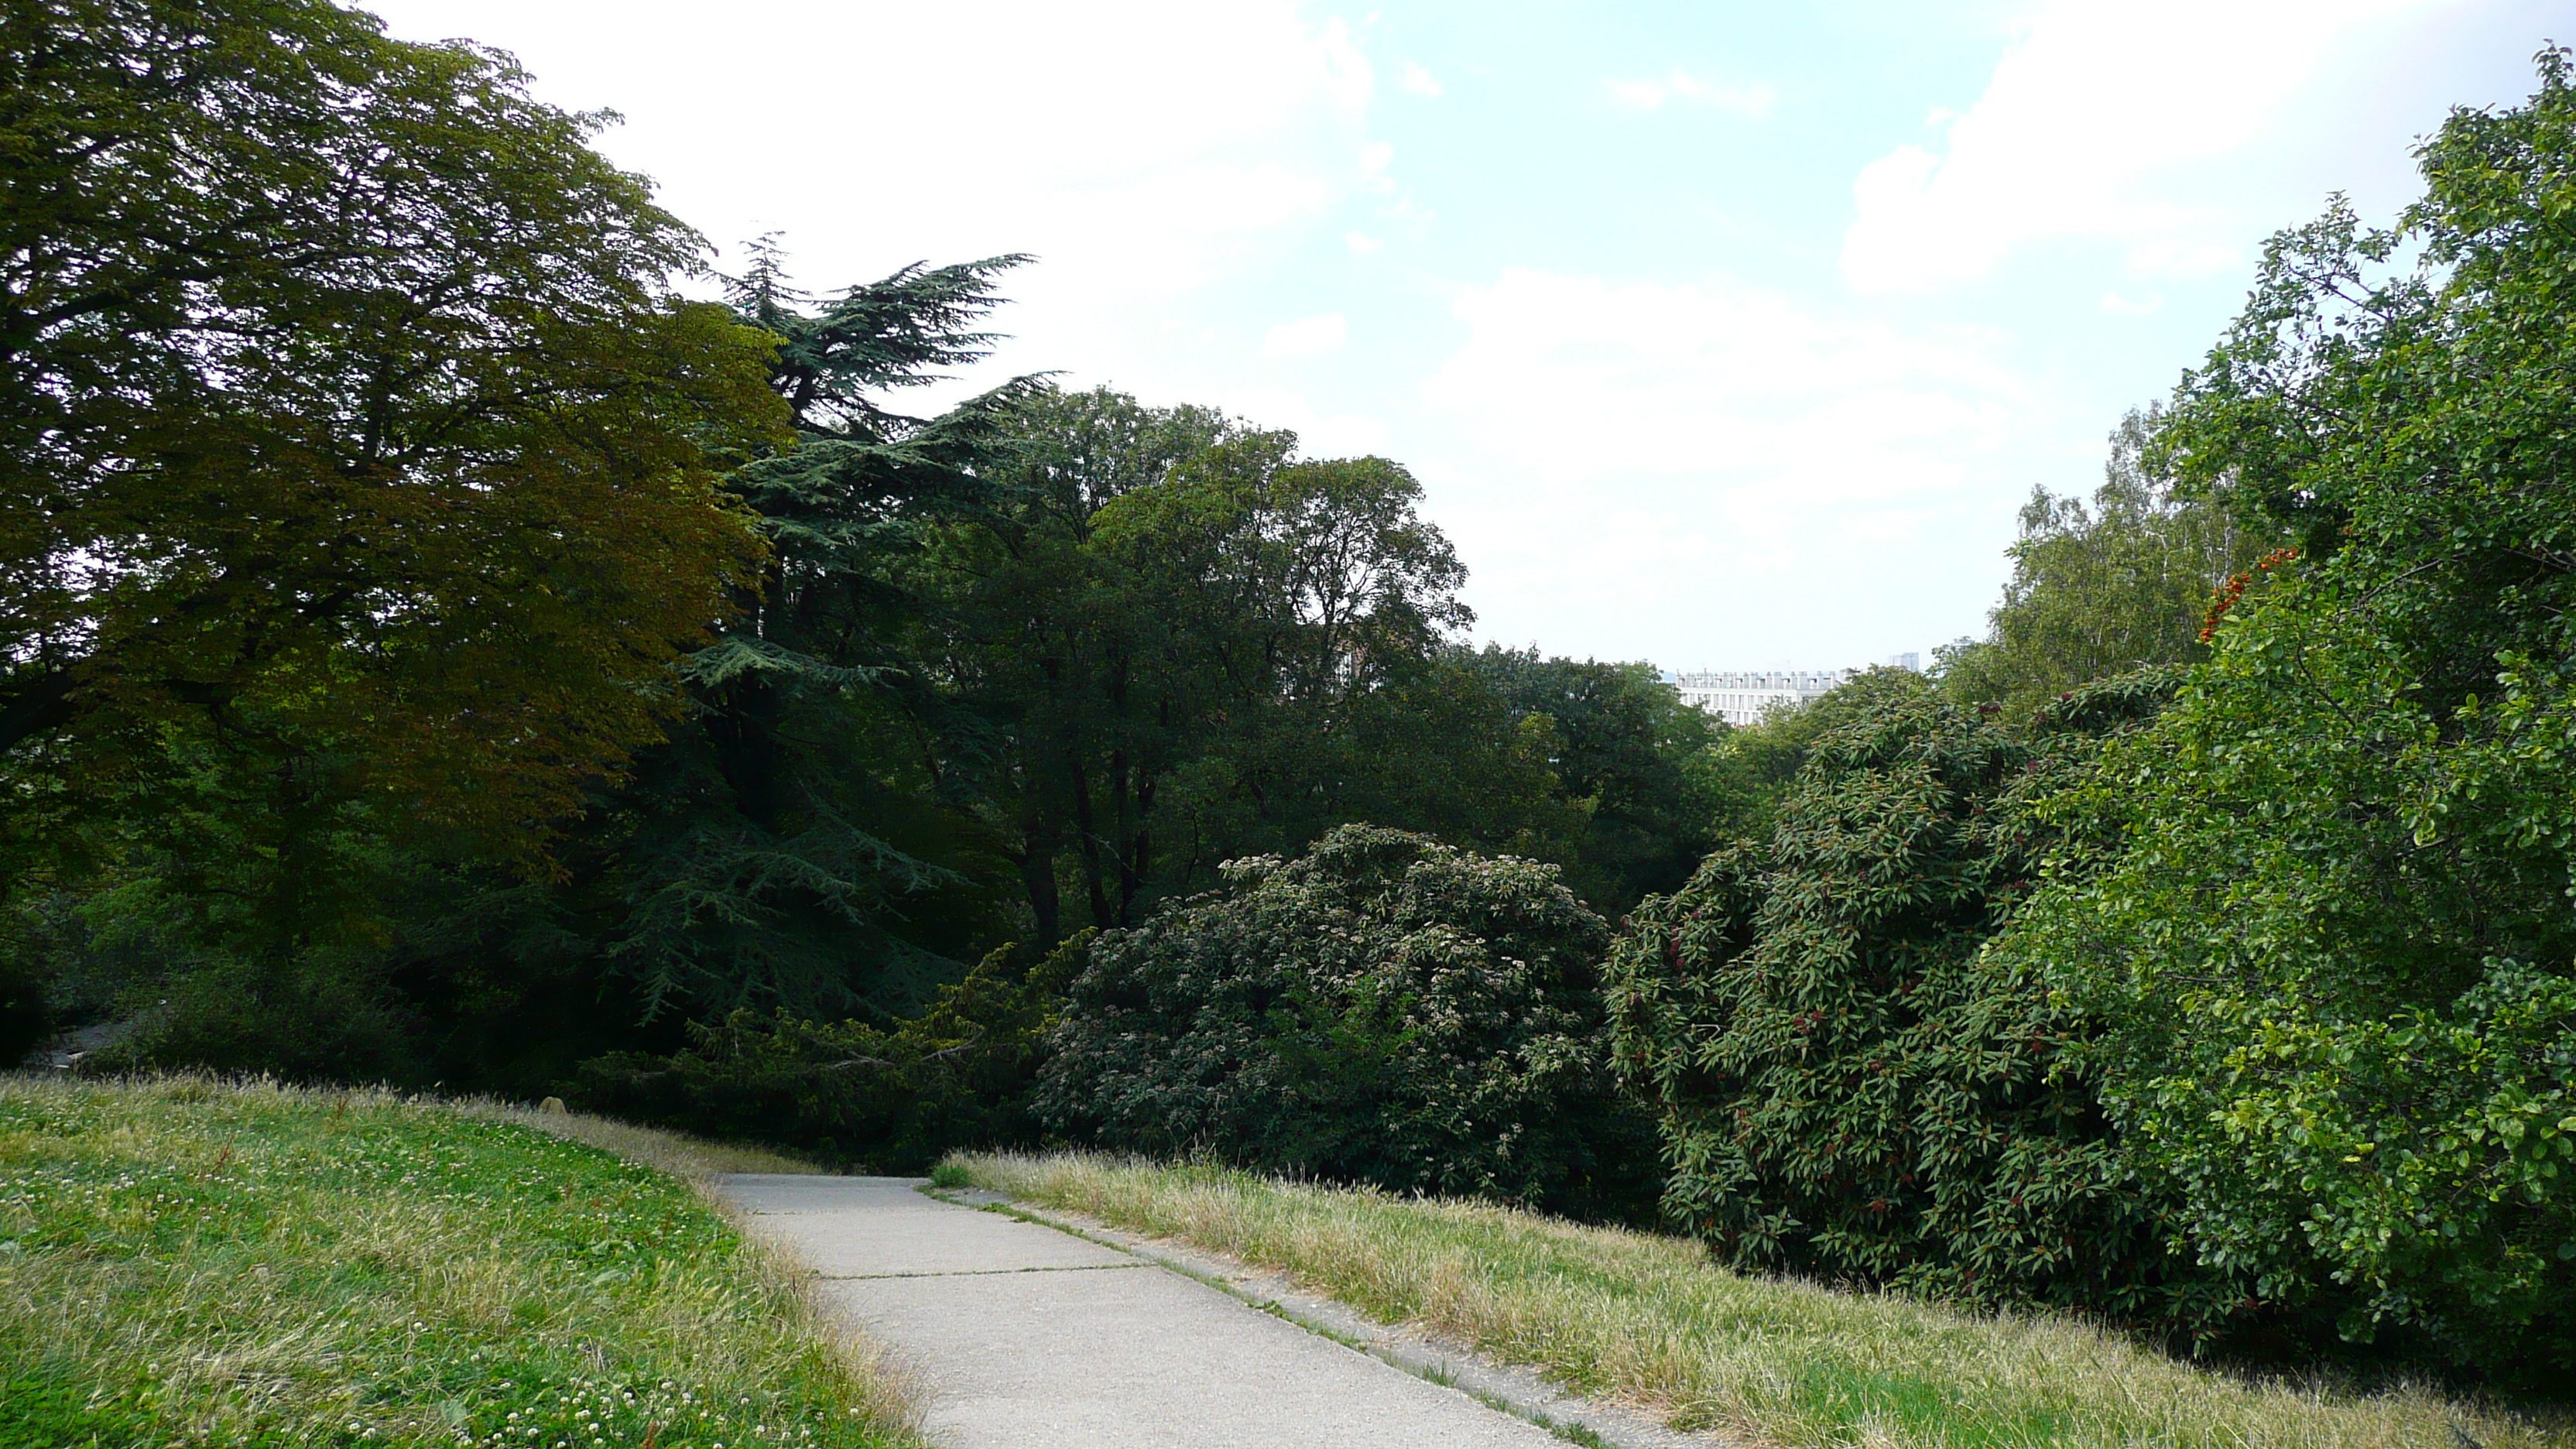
(1645, 1318)
(188, 1262)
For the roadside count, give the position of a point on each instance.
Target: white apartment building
(1738, 696)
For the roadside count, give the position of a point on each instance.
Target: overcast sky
(1720, 334)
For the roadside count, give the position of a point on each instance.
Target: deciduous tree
(2103, 588)
(348, 426)
(2332, 945)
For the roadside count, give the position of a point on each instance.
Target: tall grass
(1647, 1319)
(187, 1261)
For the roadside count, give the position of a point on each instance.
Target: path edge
(1516, 1391)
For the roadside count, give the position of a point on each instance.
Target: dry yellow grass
(1647, 1319)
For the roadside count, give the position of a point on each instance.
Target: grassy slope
(1647, 1319)
(186, 1262)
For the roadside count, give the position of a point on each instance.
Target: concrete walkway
(1036, 1339)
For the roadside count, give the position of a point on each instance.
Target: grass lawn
(1649, 1320)
(186, 1262)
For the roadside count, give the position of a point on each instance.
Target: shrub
(2331, 957)
(892, 1098)
(25, 1022)
(1845, 1087)
(1385, 1009)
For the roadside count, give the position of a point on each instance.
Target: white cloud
(1307, 337)
(1752, 100)
(1320, 434)
(1646, 95)
(1375, 158)
(2101, 123)
(1637, 95)
(1703, 452)
(2119, 306)
(1719, 379)
(1152, 154)
(1361, 242)
(1137, 146)
(1421, 82)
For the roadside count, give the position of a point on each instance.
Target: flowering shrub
(1384, 1009)
(1845, 1087)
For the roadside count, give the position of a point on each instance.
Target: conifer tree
(781, 832)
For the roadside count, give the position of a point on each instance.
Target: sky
(1719, 335)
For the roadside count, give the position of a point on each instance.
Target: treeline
(441, 652)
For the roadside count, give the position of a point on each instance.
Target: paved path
(1036, 1339)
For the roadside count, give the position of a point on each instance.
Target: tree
(1845, 1087)
(2101, 590)
(2331, 945)
(787, 848)
(349, 433)
(1626, 747)
(1180, 643)
(1071, 713)
(1746, 770)
(1384, 1009)
(25, 1020)
(1310, 600)
(780, 840)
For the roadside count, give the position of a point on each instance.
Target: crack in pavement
(984, 1272)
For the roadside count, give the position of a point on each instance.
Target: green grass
(1648, 1320)
(187, 1262)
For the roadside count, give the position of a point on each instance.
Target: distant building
(1738, 696)
(1907, 660)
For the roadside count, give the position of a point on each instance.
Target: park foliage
(1382, 1009)
(459, 627)
(2271, 995)
(2330, 942)
(1847, 1090)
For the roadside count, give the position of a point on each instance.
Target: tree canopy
(2099, 589)
(1628, 752)
(2331, 945)
(348, 426)
(433, 649)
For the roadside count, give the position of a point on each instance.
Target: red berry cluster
(2234, 589)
